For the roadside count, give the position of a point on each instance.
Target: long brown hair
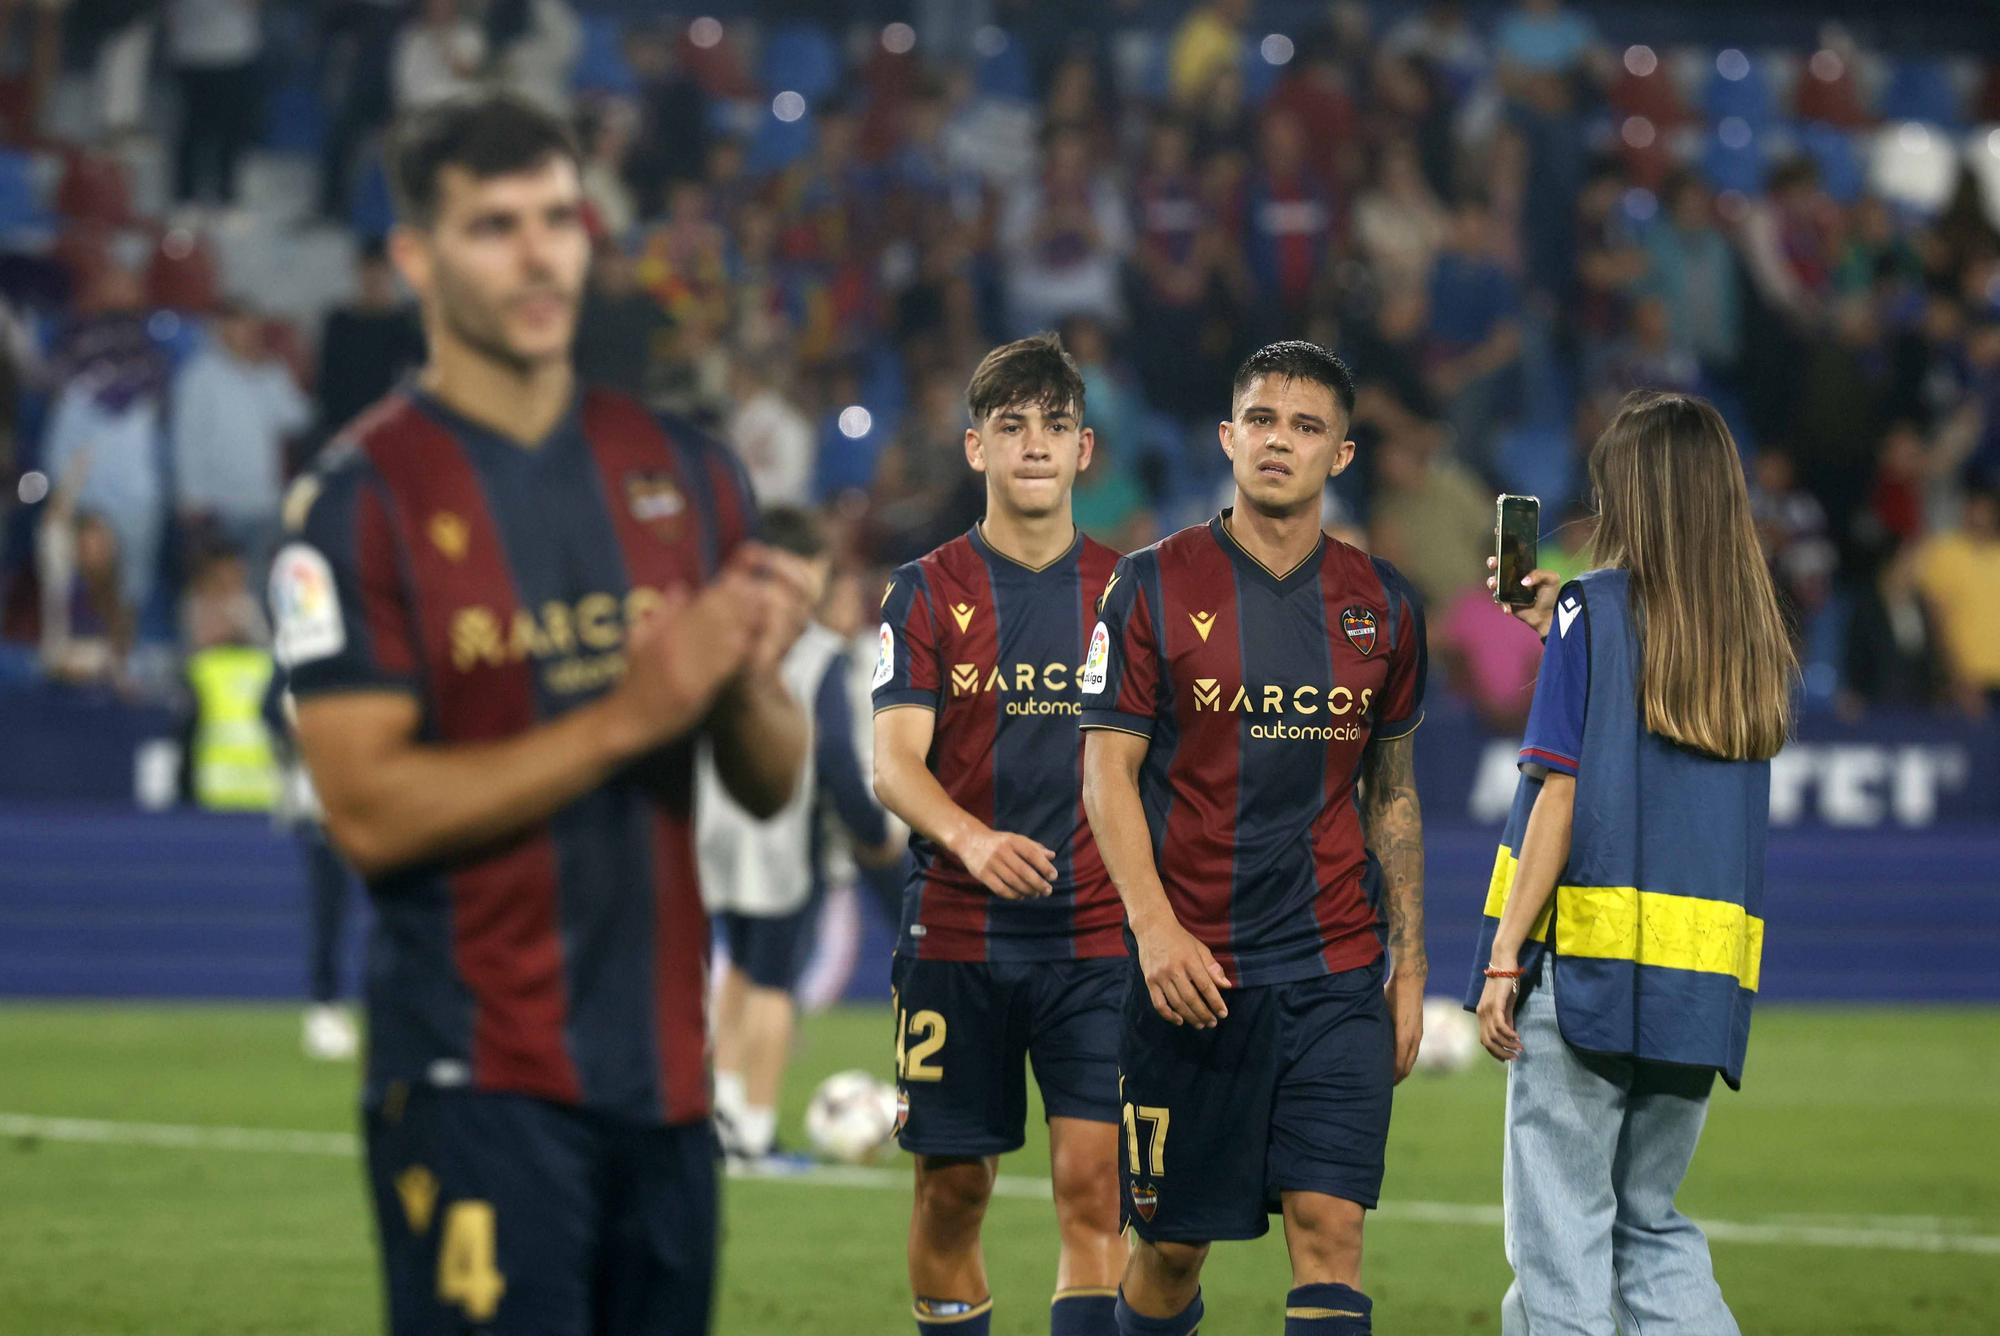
(1673, 510)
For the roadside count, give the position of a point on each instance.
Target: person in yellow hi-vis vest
(1624, 925)
(231, 766)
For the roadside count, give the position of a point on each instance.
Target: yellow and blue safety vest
(232, 766)
(1656, 924)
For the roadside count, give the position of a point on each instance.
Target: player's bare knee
(953, 1192)
(1086, 1190)
(1323, 1235)
(1174, 1263)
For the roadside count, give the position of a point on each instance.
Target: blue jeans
(1596, 1149)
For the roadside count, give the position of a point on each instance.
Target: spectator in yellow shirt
(1959, 573)
(1209, 41)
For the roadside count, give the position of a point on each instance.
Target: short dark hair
(1797, 170)
(1678, 183)
(1033, 372)
(486, 134)
(1296, 359)
(793, 529)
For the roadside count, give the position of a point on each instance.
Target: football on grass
(1451, 1037)
(851, 1118)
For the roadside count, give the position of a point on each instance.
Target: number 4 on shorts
(467, 1275)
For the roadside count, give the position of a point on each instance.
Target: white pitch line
(173, 1136)
(1915, 1233)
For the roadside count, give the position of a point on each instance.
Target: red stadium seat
(1649, 165)
(719, 69)
(84, 252)
(1829, 92)
(1651, 95)
(17, 111)
(1986, 104)
(182, 274)
(95, 188)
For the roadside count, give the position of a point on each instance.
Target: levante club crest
(1359, 623)
(1145, 1200)
(656, 502)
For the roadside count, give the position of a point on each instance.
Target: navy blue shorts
(1290, 1093)
(508, 1214)
(770, 950)
(966, 1031)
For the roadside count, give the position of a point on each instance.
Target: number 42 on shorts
(919, 1035)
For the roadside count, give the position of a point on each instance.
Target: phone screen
(1520, 532)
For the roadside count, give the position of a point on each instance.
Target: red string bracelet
(1492, 973)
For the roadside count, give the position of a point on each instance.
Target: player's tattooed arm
(1394, 824)
(1395, 827)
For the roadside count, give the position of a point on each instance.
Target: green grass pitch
(1856, 1176)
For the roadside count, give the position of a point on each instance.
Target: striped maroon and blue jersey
(494, 583)
(1259, 693)
(993, 647)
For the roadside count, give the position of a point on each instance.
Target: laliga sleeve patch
(1097, 664)
(307, 607)
(885, 660)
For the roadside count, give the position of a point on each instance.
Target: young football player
(1011, 949)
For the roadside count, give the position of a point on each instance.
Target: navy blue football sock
(1183, 1323)
(1084, 1313)
(1327, 1310)
(954, 1317)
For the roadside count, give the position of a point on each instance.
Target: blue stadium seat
(294, 118)
(1191, 473)
(847, 462)
(1738, 169)
(177, 336)
(776, 145)
(1921, 90)
(800, 57)
(372, 212)
(601, 67)
(1825, 639)
(1841, 169)
(1730, 404)
(1749, 97)
(884, 388)
(20, 201)
(1151, 80)
(1006, 73)
(20, 665)
(1540, 460)
(1260, 76)
(1548, 392)
(30, 416)
(726, 118)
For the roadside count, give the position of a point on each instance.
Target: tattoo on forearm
(1394, 824)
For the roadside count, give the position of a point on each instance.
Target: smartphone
(1519, 535)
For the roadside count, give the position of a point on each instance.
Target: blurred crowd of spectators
(809, 230)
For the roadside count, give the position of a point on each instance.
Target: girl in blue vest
(1623, 927)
